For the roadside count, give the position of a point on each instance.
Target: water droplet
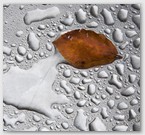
(74, 80)
(91, 89)
(108, 31)
(68, 21)
(112, 9)
(51, 34)
(136, 42)
(49, 122)
(22, 50)
(132, 114)
(80, 121)
(136, 20)
(48, 46)
(41, 27)
(39, 15)
(36, 118)
(77, 95)
(135, 61)
(92, 24)
(94, 110)
(104, 113)
(136, 6)
(120, 68)
(81, 88)
(60, 27)
(130, 33)
(123, 46)
(13, 45)
(109, 90)
(81, 16)
(84, 73)
(134, 102)
(123, 15)
(33, 41)
(86, 80)
(19, 33)
(43, 129)
(119, 117)
(94, 11)
(117, 35)
(21, 7)
(41, 54)
(128, 92)
(114, 81)
(63, 84)
(81, 103)
(29, 56)
(102, 74)
(97, 125)
(19, 58)
(111, 104)
(136, 126)
(95, 101)
(67, 73)
(122, 106)
(65, 125)
(108, 18)
(7, 50)
(69, 110)
(120, 128)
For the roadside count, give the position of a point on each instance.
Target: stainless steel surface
(40, 98)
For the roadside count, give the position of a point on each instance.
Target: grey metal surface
(104, 98)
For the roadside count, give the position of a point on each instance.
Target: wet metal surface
(42, 93)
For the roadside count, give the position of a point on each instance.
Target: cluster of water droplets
(105, 98)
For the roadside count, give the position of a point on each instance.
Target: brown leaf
(85, 49)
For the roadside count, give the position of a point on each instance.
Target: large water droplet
(94, 11)
(114, 81)
(135, 61)
(33, 41)
(21, 50)
(68, 21)
(80, 121)
(97, 125)
(81, 16)
(117, 35)
(136, 20)
(91, 89)
(39, 14)
(128, 92)
(123, 15)
(108, 18)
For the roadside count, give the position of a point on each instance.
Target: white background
(142, 2)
